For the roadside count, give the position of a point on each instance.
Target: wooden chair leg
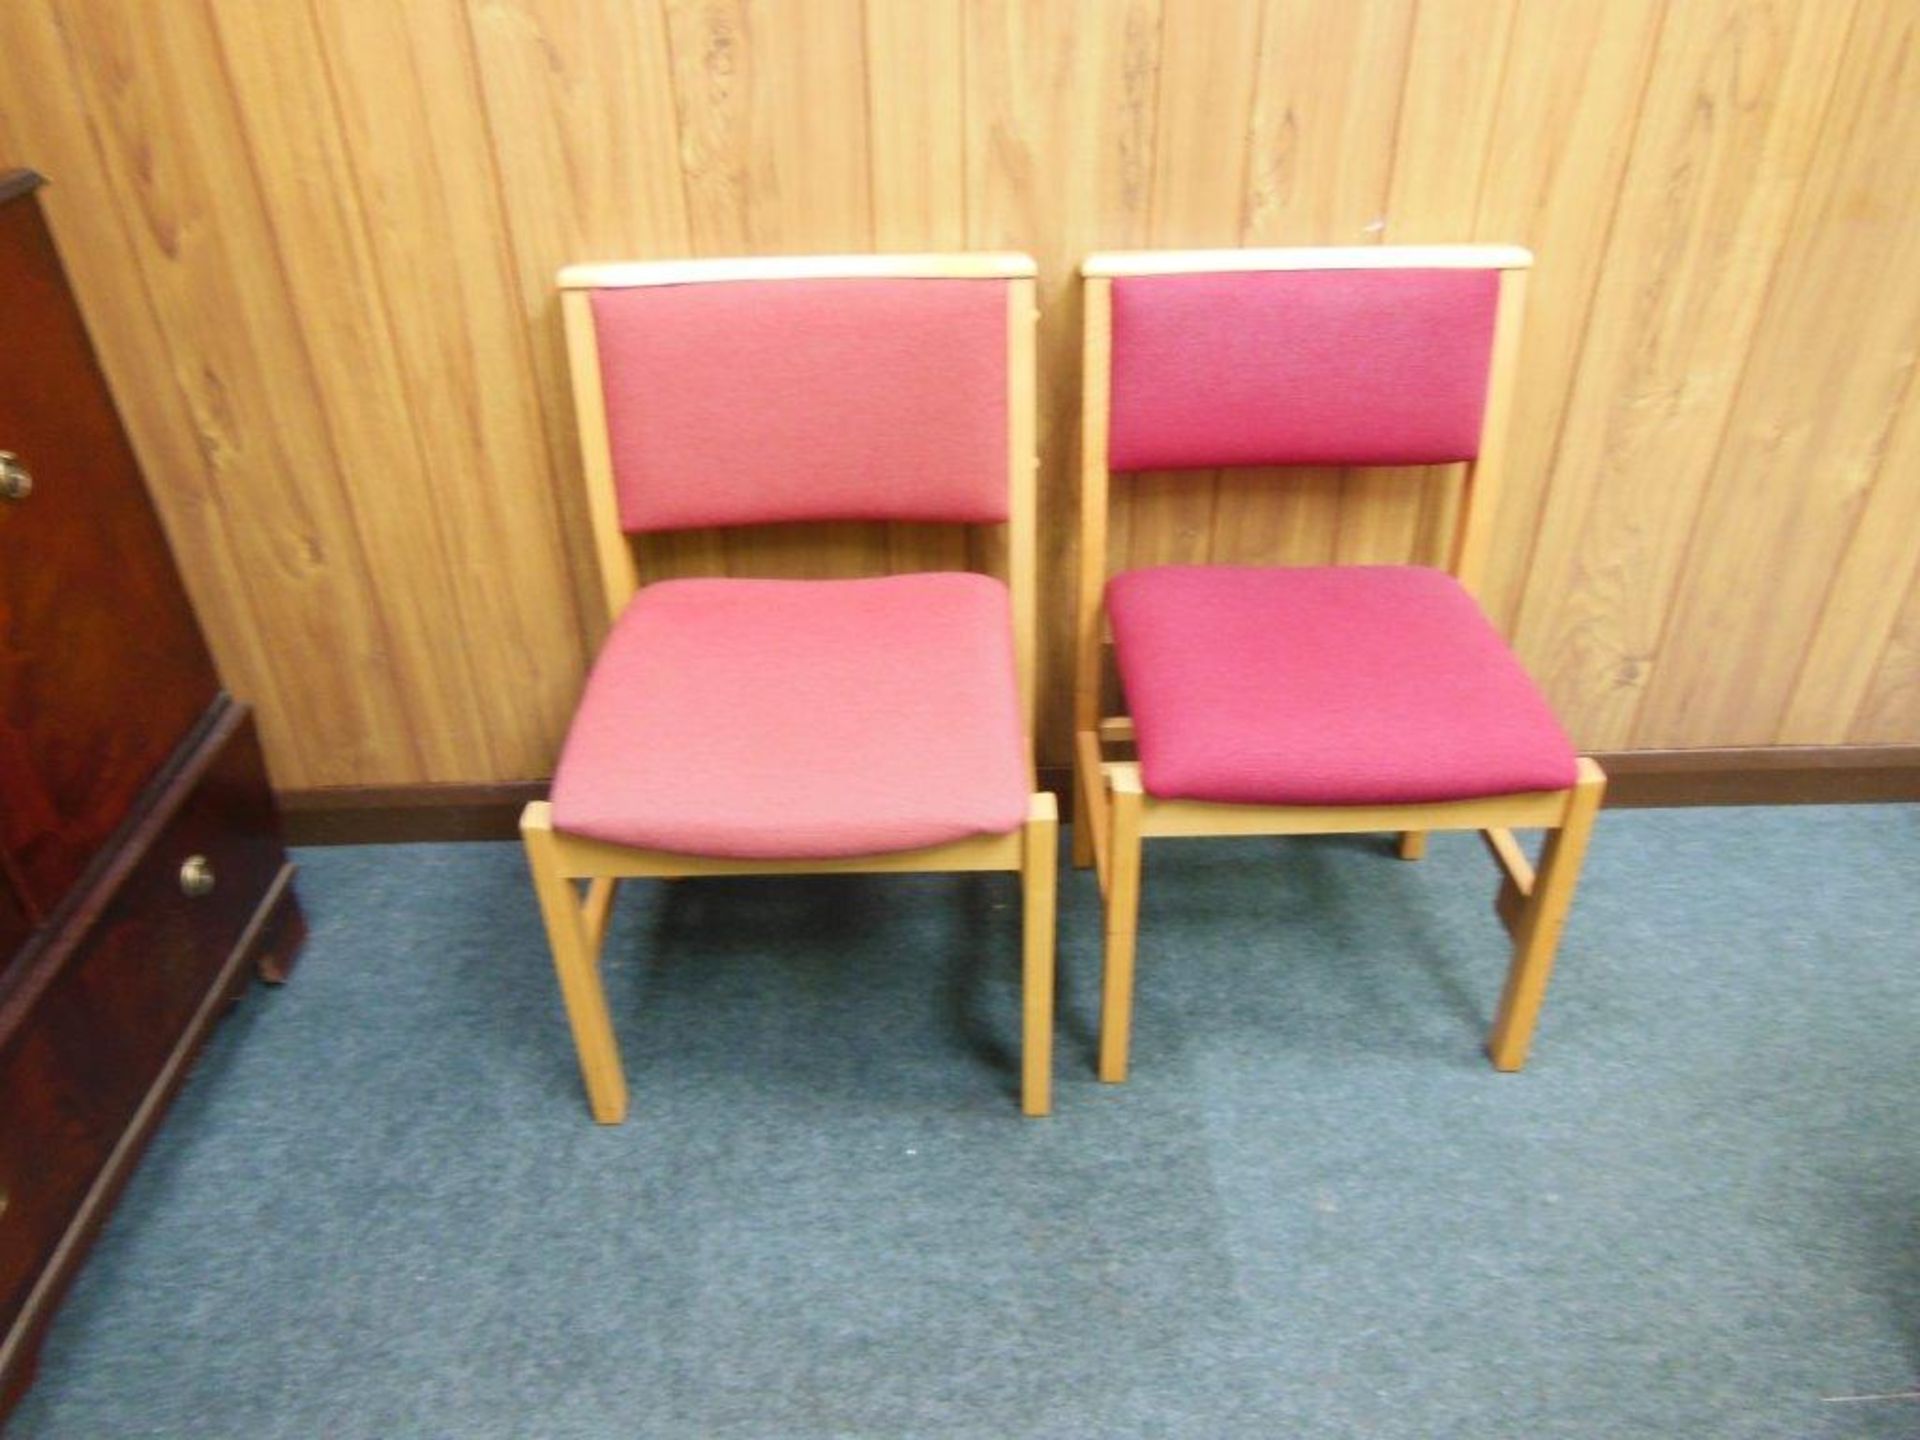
(576, 962)
(1413, 844)
(1082, 819)
(1537, 935)
(1039, 865)
(1093, 815)
(1123, 918)
(598, 907)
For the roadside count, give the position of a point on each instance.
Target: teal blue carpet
(379, 1208)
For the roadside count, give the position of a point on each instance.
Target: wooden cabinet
(142, 875)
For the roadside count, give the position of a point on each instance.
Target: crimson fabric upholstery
(794, 719)
(1300, 367)
(749, 402)
(1348, 685)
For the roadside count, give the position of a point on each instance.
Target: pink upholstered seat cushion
(1349, 685)
(770, 719)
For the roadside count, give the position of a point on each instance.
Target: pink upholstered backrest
(1300, 367)
(746, 402)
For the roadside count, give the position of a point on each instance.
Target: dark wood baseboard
(1763, 775)
(390, 814)
(1638, 779)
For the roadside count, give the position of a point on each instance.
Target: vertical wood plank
(153, 85)
(1889, 712)
(1834, 694)
(410, 97)
(1727, 128)
(290, 133)
(1568, 105)
(1815, 409)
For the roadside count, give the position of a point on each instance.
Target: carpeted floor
(379, 1208)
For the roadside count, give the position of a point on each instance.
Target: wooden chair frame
(576, 922)
(1114, 814)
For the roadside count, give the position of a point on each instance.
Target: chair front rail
(1544, 809)
(581, 858)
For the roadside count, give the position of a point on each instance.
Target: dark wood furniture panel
(90, 603)
(143, 878)
(16, 923)
(107, 1019)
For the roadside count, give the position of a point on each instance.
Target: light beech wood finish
(353, 434)
(1126, 856)
(576, 926)
(1512, 859)
(619, 572)
(1039, 870)
(575, 941)
(960, 265)
(1112, 264)
(1114, 813)
(1536, 935)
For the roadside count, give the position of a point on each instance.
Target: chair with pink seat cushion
(749, 726)
(1285, 701)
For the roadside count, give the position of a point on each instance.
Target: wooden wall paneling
(42, 118)
(1889, 711)
(151, 82)
(917, 123)
(1843, 664)
(1569, 102)
(585, 134)
(288, 130)
(316, 245)
(1326, 103)
(408, 91)
(1814, 411)
(1724, 140)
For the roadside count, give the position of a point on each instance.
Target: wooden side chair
(1312, 700)
(830, 726)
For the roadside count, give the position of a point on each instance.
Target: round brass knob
(15, 482)
(196, 877)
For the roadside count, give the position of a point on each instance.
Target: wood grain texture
(316, 243)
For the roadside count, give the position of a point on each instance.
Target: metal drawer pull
(196, 877)
(15, 482)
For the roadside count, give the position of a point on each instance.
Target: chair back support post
(619, 574)
(1095, 398)
(1480, 488)
(1023, 479)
